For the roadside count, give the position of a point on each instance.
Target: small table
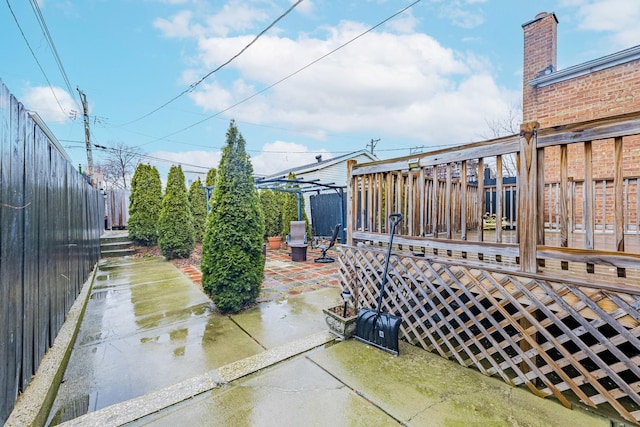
(298, 252)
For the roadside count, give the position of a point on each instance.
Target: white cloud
(178, 26)
(306, 8)
(405, 23)
(398, 85)
(461, 14)
(52, 108)
(273, 157)
(619, 18)
(279, 155)
(234, 16)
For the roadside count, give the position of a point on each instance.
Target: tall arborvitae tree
(272, 202)
(176, 235)
(145, 203)
(232, 259)
(198, 203)
(210, 181)
(290, 208)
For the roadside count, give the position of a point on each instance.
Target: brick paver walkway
(284, 277)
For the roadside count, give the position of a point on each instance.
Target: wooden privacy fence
(50, 225)
(553, 309)
(117, 208)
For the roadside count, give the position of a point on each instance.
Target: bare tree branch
(118, 165)
(507, 125)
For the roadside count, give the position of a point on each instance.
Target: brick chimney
(540, 57)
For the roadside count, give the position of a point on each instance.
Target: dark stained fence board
(11, 252)
(40, 257)
(30, 273)
(5, 308)
(50, 225)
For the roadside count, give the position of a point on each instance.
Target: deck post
(481, 209)
(349, 224)
(619, 192)
(528, 197)
(564, 202)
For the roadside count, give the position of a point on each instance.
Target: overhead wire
(288, 76)
(54, 51)
(141, 155)
(36, 58)
(192, 86)
(103, 147)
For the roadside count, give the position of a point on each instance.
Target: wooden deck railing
(552, 301)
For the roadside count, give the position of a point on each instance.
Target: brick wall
(540, 52)
(603, 93)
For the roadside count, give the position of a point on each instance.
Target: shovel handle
(395, 218)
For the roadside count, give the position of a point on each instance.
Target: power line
(36, 58)
(192, 86)
(144, 156)
(45, 30)
(288, 76)
(102, 147)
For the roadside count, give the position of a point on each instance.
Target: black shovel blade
(378, 329)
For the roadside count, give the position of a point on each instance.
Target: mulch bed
(194, 259)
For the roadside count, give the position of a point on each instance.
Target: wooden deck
(554, 304)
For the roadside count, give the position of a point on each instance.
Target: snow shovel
(376, 328)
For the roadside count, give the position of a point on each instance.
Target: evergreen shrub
(232, 259)
(176, 234)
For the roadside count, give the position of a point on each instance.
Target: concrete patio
(152, 350)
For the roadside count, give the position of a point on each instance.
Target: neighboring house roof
(322, 164)
(608, 61)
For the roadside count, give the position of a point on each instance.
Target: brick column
(540, 56)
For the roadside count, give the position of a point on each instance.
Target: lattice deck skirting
(537, 330)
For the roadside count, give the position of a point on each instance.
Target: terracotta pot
(343, 327)
(274, 242)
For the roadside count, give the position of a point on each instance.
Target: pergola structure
(297, 186)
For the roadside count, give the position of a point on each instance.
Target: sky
(328, 78)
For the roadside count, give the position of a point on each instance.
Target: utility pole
(373, 144)
(87, 135)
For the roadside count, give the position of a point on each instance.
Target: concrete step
(114, 238)
(112, 246)
(113, 253)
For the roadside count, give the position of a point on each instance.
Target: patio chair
(324, 247)
(297, 240)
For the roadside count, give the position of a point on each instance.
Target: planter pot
(343, 327)
(274, 242)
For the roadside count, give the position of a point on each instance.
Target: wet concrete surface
(146, 326)
(152, 351)
(281, 321)
(353, 384)
(295, 393)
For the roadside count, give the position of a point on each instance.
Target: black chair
(324, 247)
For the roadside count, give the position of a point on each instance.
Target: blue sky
(430, 77)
